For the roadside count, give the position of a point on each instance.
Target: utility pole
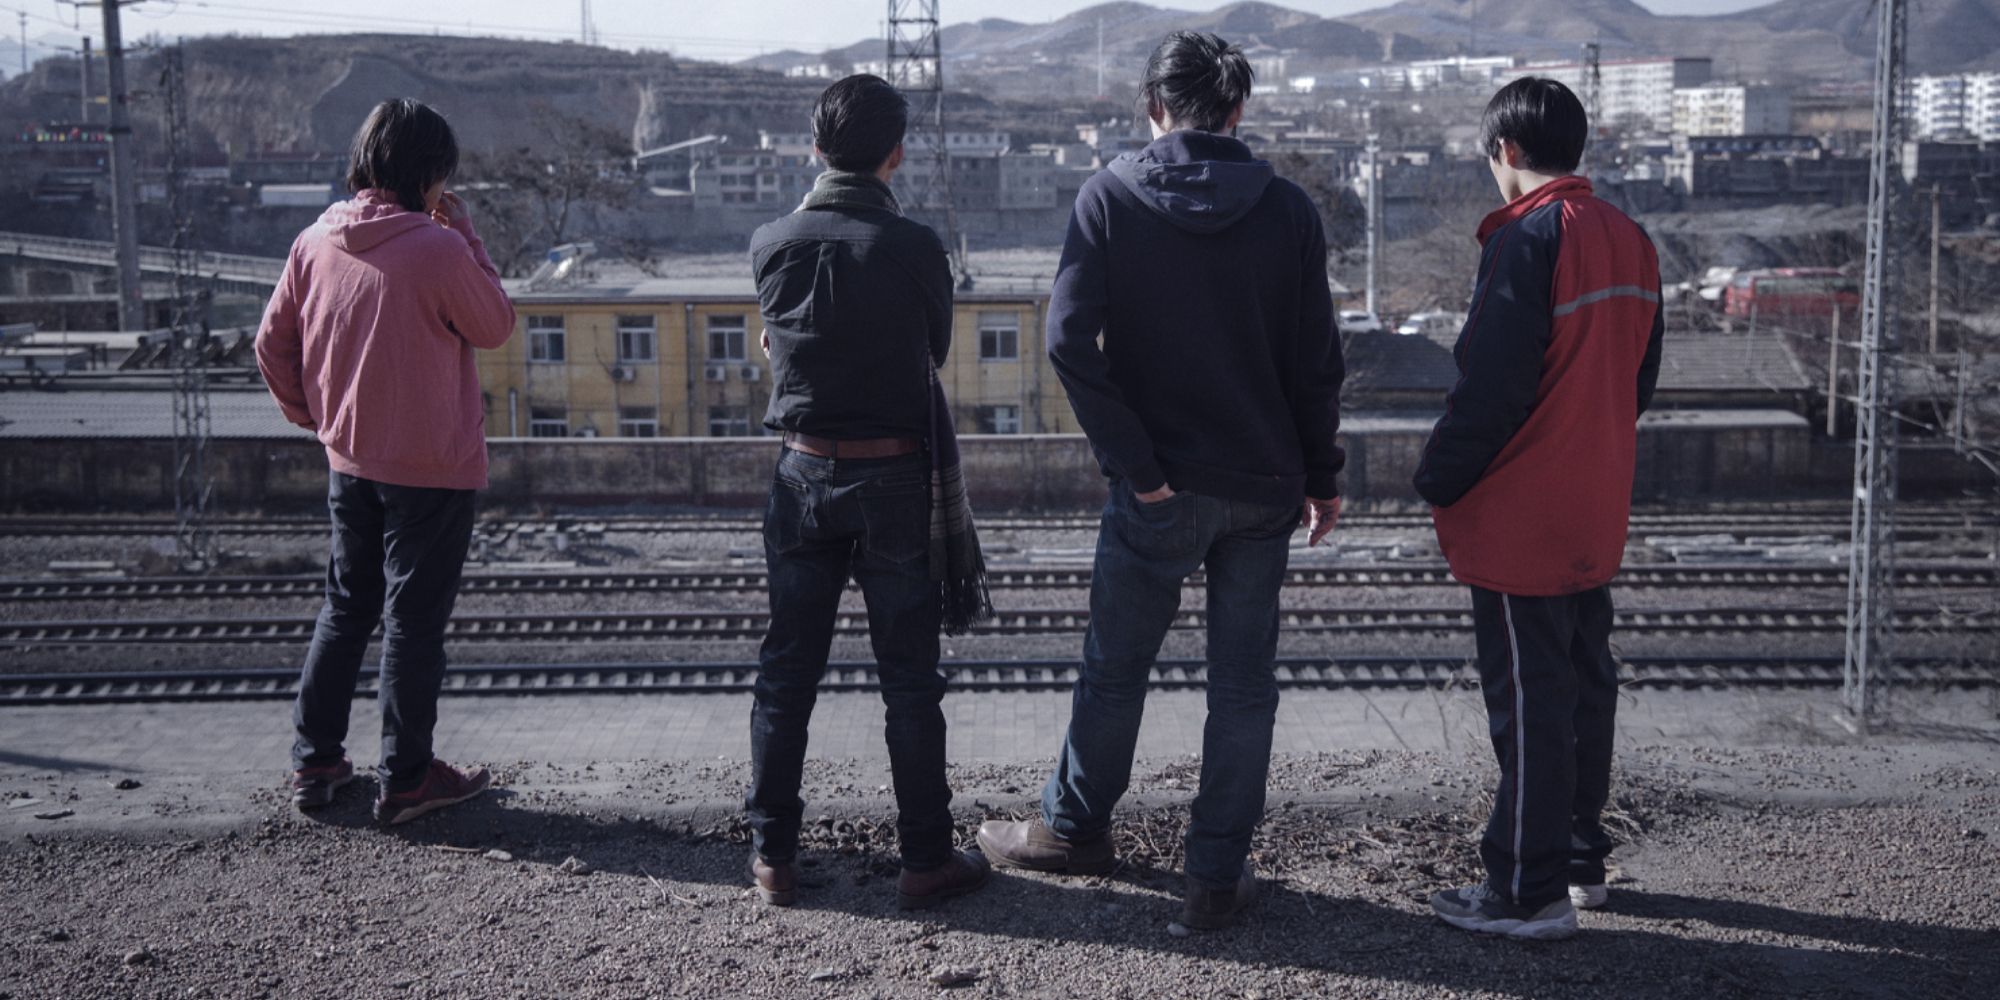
(1372, 175)
(24, 42)
(189, 353)
(916, 67)
(1593, 83)
(1871, 566)
(124, 186)
(86, 81)
(1936, 213)
(1100, 56)
(1833, 376)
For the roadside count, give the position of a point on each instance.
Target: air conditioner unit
(752, 373)
(623, 374)
(718, 373)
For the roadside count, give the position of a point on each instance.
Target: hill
(1789, 40)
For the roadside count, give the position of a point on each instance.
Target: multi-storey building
(1732, 109)
(1635, 93)
(680, 357)
(1961, 106)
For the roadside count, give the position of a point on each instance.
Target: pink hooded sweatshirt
(368, 342)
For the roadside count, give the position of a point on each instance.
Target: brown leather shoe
(1030, 844)
(777, 881)
(1208, 909)
(965, 872)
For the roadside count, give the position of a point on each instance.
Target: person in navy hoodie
(1211, 403)
(1529, 473)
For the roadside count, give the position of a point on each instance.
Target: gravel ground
(1824, 872)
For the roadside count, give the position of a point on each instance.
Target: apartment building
(1960, 106)
(1636, 93)
(1732, 109)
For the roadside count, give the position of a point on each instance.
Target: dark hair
(1195, 80)
(1542, 117)
(858, 122)
(404, 147)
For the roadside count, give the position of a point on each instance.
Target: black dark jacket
(1220, 368)
(857, 302)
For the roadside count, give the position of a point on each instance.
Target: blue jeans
(397, 555)
(828, 519)
(1144, 553)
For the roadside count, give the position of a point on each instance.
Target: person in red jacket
(1529, 473)
(368, 342)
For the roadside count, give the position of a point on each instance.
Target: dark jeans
(1551, 692)
(1144, 553)
(397, 555)
(828, 519)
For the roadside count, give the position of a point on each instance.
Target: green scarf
(841, 189)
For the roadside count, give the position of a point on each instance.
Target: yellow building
(679, 357)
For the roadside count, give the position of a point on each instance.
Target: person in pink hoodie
(368, 343)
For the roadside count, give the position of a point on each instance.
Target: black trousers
(398, 552)
(1551, 701)
(829, 520)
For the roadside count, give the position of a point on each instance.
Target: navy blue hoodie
(1219, 371)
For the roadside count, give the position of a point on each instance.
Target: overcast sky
(710, 29)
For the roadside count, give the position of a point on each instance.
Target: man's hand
(1318, 519)
(452, 212)
(1161, 495)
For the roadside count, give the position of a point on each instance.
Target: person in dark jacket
(856, 302)
(1212, 403)
(1529, 473)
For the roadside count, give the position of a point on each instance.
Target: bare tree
(560, 186)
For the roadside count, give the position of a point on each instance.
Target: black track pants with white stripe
(1551, 700)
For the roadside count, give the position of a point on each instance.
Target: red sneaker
(443, 785)
(313, 787)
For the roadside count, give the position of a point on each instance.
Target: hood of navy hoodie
(1200, 181)
(368, 220)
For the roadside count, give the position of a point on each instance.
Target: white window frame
(1004, 331)
(545, 331)
(633, 426)
(730, 421)
(734, 328)
(541, 425)
(631, 334)
(1003, 418)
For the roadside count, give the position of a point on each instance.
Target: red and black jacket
(1529, 471)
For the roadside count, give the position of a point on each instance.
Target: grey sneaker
(1588, 897)
(1478, 908)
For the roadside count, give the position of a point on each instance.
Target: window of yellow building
(548, 422)
(546, 339)
(635, 340)
(999, 336)
(728, 337)
(638, 421)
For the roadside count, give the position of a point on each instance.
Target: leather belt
(863, 448)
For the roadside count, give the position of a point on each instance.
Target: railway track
(1766, 523)
(986, 675)
(742, 625)
(734, 581)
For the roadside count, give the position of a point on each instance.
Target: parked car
(1432, 324)
(1359, 321)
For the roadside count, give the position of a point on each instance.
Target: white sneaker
(1588, 897)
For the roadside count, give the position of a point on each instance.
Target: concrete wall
(1688, 461)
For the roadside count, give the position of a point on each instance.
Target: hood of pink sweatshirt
(368, 341)
(368, 220)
